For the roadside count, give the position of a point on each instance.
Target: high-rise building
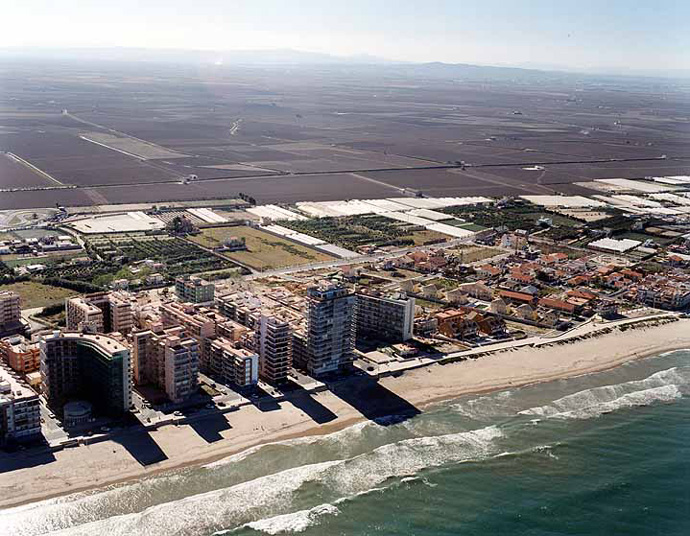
(20, 411)
(330, 334)
(274, 344)
(388, 318)
(118, 314)
(95, 368)
(167, 359)
(10, 308)
(230, 364)
(115, 313)
(191, 288)
(181, 368)
(21, 355)
(10, 314)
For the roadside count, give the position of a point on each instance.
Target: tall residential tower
(328, 344)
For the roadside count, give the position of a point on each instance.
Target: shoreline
(86, 468)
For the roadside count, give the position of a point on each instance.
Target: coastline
(108, 463)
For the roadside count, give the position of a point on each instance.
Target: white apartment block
(20, 412)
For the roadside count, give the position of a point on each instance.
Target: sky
(581, 34)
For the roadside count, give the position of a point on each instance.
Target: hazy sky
(639, 34)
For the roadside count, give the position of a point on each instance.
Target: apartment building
(10, 307)
(193, 289)
(242, 307)
(181, 368)
(117, 310)
(101, 312)
(230, 364)
(168, 359)
(90, 367)
(274, 346)
(672, 293)
(328, 341)
(21, 355)
(10, 314)
(20, 411)
(118, 315)
(383, 317)
(83, 316)
(455, 324)
(272, 326)
(198, 322)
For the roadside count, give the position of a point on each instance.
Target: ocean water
(601, 454)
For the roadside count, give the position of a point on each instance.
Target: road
(28, 313)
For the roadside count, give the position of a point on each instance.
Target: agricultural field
(72, 160)
(51, 258)
(516, 216)
(177, 255)
(34, 294)
(87, 272)
(264, 251)
(14, 174)
(141, 149)
(356, 231)
(322, 136)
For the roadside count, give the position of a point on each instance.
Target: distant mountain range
(240, 57)
(279, 57)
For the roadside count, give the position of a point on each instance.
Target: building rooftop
(12, 386)
(103, 341)
(611, 244)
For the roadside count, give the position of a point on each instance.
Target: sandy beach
(29, 476)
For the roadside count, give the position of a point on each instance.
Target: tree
(181, 225)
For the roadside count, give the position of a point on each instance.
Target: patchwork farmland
(88, 138)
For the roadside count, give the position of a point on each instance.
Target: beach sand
(28, 476)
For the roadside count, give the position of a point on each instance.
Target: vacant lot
(427, 237)
(471, 254)
(264, 251)
(35, 294)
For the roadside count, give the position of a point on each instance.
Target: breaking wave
(663, 386)
(295, 522)
(269, 496)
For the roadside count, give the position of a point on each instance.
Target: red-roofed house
(559, 305)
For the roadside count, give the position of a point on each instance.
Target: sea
(606, 453)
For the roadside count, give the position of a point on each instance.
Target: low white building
(614, 246)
